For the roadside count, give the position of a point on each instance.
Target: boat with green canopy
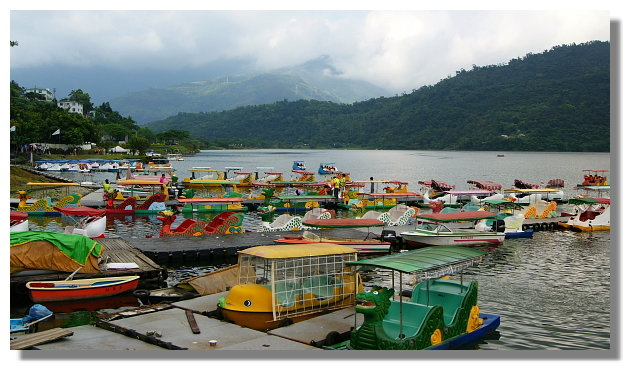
(440, 314)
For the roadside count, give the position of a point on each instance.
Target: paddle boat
(303, 176)
(140, 187)
(244, 179)
(191, 205)
(441, 313)
(282, 284)
(390, 197)
(127, 206)
(286, 222)
(485, 185)
(152, 205)
(433, 230)
(45, 206)
(555, 183)
(520, 184)
(92, 223)
(528, 196)
(212, 183)
(19, 221)
(175, 157)
(327, 168)
(226, 222)
(266, 175)
(151, 193)
(159, 165)
(509, 219)
(301, 202)
(298, 166)
(363, 245)
(398, 215)
(69, 290)
(434, 187)
(593, 214)
(595, 177)
(458, 198)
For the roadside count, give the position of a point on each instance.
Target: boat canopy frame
(292, 271)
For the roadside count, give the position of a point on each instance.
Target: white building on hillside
(48, 95)
(71, 106)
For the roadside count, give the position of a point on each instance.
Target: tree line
(35, 120)
(558, 100)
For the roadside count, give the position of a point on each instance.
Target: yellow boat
(282, 284)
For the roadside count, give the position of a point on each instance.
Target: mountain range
(558, 100)
(316, 79)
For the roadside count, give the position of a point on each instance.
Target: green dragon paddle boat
(440, 314)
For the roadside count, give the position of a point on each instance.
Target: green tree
(139, 145)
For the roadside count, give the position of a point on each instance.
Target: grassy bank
(19, 178)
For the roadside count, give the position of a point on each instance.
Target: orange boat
(70, 290)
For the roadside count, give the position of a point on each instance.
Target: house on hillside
(46, 93)
(71, 106)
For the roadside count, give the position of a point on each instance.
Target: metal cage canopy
(427, 262)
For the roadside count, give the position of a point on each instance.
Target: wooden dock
(161, 327)
(203, 249)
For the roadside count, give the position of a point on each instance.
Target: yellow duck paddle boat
(282, 284)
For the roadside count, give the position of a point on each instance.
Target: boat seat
(286, 292)
(414, 315)
(442, 292)
(322, 287)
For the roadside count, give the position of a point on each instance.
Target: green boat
(440, 314)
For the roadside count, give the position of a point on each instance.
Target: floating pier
(203, 249)
(169, 326)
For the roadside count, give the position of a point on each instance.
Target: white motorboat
(433, 231)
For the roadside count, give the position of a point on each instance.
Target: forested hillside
(558, 100)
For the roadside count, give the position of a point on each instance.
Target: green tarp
(76, 247)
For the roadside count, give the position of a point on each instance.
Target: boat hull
(262, 321)
(490, 324)
(52, 291)
(465, 239)
(529, 233)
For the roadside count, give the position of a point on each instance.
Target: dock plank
(32, 339)
(332, 326)
(176, 333)
(89, 337)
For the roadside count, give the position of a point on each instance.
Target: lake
(552, 291)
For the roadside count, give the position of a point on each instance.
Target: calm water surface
(552, 291)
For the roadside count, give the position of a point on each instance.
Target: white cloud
(399, 50)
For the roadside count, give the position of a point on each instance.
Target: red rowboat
(68, 290)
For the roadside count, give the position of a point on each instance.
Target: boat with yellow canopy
(282, 284)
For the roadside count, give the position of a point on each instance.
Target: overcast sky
(397, 50)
